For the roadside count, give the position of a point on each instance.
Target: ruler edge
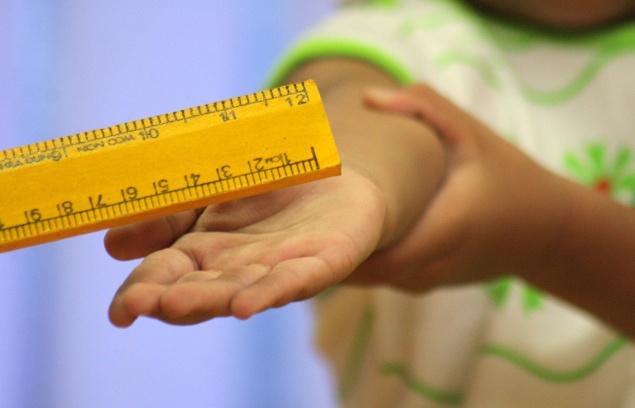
(149, 215)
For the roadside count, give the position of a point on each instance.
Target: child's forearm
(593, 265)
(405, 160)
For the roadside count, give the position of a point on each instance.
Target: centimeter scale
(163, 164)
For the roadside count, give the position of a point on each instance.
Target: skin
(562, 14)
(244, 257)
(499, 211)
(429, 196)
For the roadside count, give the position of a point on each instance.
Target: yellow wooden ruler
(159, 165)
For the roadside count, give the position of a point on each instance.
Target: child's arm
(498, 212)
(242, 257)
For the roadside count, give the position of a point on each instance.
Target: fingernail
(381, 94)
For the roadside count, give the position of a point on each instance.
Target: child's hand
(497, 212)
(245, 256)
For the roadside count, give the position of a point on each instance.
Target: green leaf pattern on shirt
(500, 290)
(610, 171)
(603, 49)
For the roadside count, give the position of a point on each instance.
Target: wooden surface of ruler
(163, 164)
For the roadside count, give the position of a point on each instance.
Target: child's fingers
(140, 299)
(140, 293)
(138, 240)
(289, 281)
(204, 295)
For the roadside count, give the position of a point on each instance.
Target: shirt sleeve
(371, 33)
(443, 43)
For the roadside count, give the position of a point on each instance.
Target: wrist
(407, 174)
(401, 157)
(380, 184)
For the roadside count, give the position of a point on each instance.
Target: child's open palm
(242, 257)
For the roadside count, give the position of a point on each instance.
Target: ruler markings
(50, 215)
(158, 120)
(137, 207)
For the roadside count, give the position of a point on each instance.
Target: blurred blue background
(74, 65)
